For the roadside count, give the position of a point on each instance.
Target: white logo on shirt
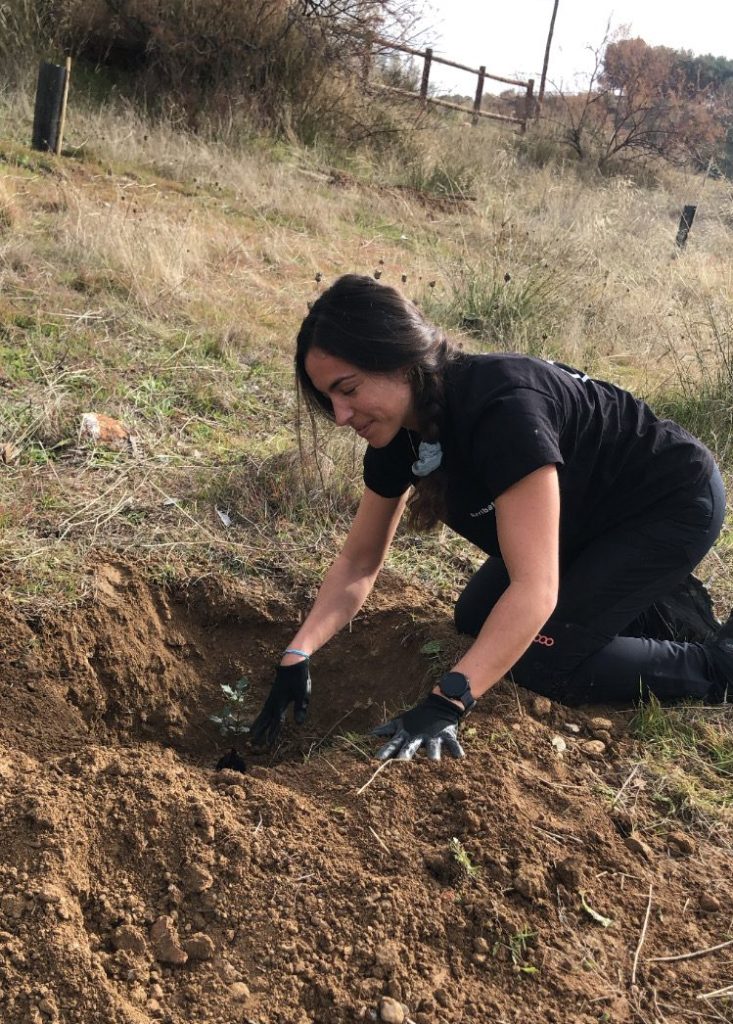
(482, 511)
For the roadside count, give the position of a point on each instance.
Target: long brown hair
(375, 328)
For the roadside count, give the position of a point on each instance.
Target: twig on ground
(356, 747)
(519, 703)
(379, 839)
(641, 938)
(690, 956)
(559, 837)
(322, 740)
(629, 777)
(371, 780)
(719, 993)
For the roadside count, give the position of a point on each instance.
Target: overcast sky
(509, 36)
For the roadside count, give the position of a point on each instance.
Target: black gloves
(292, 685)
(430, 724)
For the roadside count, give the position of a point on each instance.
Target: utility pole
(541, 94)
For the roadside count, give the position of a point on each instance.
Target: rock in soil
(391, 1011)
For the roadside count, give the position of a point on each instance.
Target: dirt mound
(139, 885)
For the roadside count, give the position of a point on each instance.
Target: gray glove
(431, 723)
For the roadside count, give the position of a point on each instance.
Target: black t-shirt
(508, 415)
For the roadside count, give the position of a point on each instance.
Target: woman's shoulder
(491, 374)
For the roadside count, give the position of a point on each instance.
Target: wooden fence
(429, 58)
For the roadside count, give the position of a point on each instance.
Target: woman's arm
(528, 528)
(348, 582)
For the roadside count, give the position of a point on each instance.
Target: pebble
(572, 727)
(709, 903)
(391, 1011)
(594, 748)
(559, 744)
(542, 707)
(601, 725)
(239, 992)
(480, 945)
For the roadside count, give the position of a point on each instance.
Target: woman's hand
(430, 724)
(292, 686)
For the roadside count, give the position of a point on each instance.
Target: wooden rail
(429, 58)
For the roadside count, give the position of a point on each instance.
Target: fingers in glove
(391, 748)
(432, 747)
(265, 729)
(410, 747)
(389, 728)
(453, 745)
(300, 710)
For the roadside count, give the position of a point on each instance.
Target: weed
(496, 307)
(460, 855)
(518, 946)
(234, 716)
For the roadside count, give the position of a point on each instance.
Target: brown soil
(138, 884)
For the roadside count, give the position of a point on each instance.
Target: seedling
(231, 718)
(518, 945)
(460, 856)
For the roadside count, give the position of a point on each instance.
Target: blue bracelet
(292, 650)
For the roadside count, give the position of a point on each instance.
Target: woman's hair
(375, 328)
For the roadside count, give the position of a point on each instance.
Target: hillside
(158, 279)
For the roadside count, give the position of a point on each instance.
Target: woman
(589, 507)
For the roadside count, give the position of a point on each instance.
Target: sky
(509, 36)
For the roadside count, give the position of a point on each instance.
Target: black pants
(582, 655)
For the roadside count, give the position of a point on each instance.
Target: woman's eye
(349, 392)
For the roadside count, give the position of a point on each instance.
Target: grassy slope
(160, 279)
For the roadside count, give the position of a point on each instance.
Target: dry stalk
(629, 777)
(689, 956)
(371, 780)
(379, 839)
(641, 938)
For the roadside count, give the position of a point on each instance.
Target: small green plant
(231, 718)
(462, 859)
(518, 946)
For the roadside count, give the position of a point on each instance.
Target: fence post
(425, 77)
(49, 101)
(479, 94)
(528, 104)
(688, 215)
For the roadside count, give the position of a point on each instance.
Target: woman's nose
(341, 411)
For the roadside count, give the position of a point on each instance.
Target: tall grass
(701, 397)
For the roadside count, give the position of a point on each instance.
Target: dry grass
(160, 278)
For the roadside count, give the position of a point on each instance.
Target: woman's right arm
(348, 582)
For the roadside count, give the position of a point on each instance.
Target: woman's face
(375, 405)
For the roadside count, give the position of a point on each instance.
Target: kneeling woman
(589, 507)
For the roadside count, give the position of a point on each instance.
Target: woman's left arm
(528, 528)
